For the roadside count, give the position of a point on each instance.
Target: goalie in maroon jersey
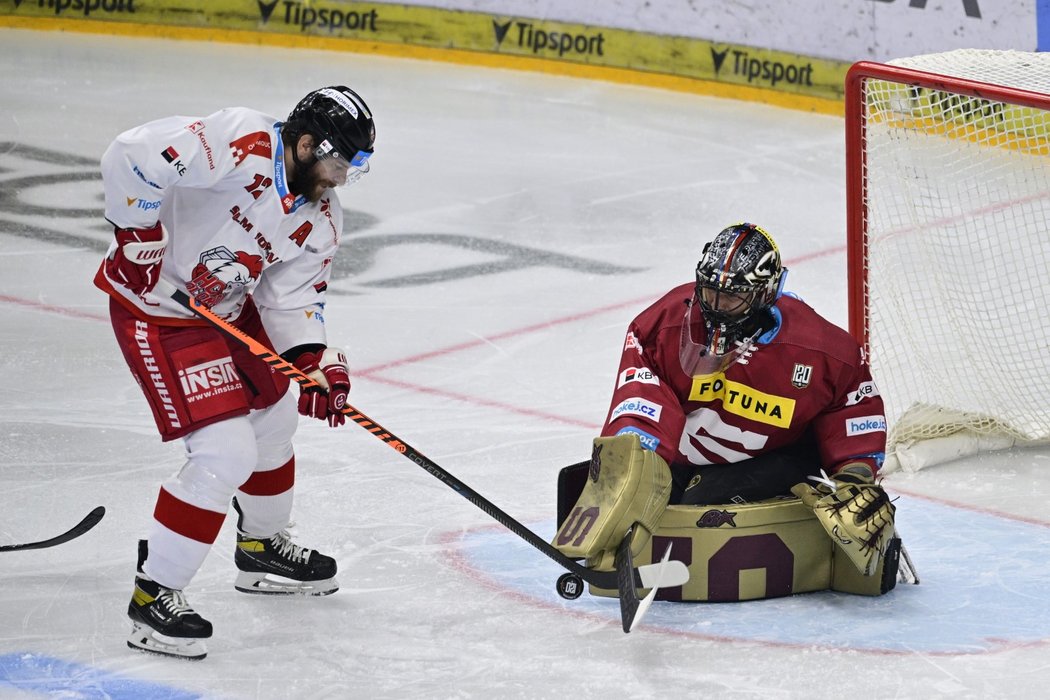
(730, 391)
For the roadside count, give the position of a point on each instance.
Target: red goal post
(948, 226)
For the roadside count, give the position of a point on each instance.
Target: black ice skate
(162, 621)
(277, 566)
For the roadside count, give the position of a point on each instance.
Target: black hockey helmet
(739, 275)
(340, 121)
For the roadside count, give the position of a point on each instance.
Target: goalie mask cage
(948, 207)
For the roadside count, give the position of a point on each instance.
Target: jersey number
(746, 552)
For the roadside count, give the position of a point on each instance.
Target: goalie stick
(631, 608)
(89, 521)
(668, 573)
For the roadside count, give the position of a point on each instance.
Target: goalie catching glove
(855, 511)
(625, 485)
(328, 367)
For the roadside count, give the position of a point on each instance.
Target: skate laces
(175, 602)
(282, 542)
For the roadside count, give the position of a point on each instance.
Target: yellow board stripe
(825, 97)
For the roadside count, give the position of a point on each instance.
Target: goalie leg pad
(625, 485)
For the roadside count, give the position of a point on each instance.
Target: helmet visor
(334, 166)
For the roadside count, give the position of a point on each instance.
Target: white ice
(511, 226)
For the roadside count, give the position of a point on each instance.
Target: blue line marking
(1042, 19)
(49, 676)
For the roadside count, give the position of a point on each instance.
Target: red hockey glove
(136, 262)
(330, 370)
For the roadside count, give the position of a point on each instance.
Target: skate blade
(145, 638)
(269, 584)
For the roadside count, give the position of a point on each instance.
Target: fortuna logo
(637, 406)
(743, 400)
(865, 424)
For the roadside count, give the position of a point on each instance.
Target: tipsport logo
(764, 71)
(85, 7)
(535, 39)
(306, 16)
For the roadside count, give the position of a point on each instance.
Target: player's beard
(310, 183)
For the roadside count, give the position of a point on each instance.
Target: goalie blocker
(737, 552)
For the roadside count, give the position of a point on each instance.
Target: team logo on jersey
(637, 406)
(220, 271)
(864, 391)
(717, 518)
(643, 375)
(256, 143)
(865, 424)
(595, 467)
(801, 375)
(743, 400)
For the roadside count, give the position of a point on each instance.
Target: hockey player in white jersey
(239, 210)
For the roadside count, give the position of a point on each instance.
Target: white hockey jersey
(219, 187)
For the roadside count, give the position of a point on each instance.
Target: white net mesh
(957, 250)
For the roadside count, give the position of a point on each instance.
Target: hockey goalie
(746, 434)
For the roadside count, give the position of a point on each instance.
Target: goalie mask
(342, 126)
(738, 278)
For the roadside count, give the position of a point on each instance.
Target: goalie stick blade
(629, 602)
(656, 584)
(658, 576)
(89, 521)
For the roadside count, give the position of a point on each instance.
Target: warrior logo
(220, 272)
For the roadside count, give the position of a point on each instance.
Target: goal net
(948, 205)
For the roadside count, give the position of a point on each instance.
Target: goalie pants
(236, 418)
(765, 476)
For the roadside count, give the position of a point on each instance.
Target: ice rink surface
(512, 225)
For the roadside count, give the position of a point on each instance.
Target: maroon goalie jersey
(806, 379)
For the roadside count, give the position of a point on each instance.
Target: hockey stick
(632, 610)
(89, 521)
(668, 573)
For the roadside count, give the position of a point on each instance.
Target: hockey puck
(570, 586)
